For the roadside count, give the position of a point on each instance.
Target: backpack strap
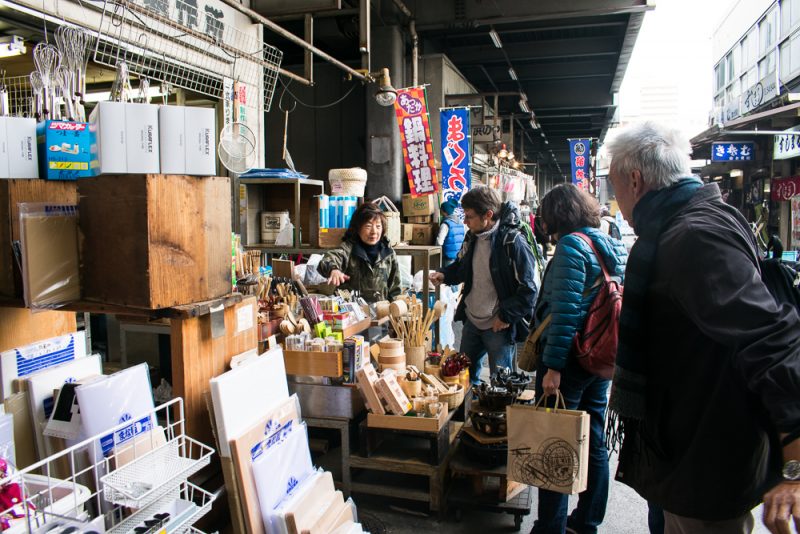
(589, 242)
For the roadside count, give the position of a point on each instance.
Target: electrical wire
(298, 101)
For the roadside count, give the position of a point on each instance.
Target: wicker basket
(452, 380)
(433, 370)
(455, 399)
(348, 182)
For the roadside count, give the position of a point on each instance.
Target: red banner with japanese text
(783, 189)
(415, 133)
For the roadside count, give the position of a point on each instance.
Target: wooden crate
(407, 422)
(323, 237)
(13, 192)
(155, 241)
(312, 363)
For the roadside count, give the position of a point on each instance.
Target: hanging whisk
(37, 87)
(47, 58)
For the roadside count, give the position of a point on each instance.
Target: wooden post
(197, 358)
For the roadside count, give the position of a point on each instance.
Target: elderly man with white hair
(706, 394)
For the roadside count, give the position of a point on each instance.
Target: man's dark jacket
(723, 370)
(512, 268)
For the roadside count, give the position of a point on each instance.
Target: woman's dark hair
(482, 199)
(565, 208)
(775, 245)
(364, 214)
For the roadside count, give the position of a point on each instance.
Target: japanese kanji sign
(580, 158)
(456, 160)
(787, 146)
(796, 222)
(415, 132)
(729, 151)
(783, 189)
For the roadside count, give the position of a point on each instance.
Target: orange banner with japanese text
(415, 133)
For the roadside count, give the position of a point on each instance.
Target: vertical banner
(456, 160)
(796, 222)
(579, 156)
(593, 171)
(415, 133)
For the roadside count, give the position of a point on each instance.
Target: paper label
(244, 318)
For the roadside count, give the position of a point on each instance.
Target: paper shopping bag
(548, 447)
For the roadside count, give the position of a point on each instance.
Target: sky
(672, 64)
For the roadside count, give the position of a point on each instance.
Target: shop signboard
(787, 145)
(730, 151)
(415, 133)
(796, 222)
(580, 158)
(487, 133)
(731, 111)
(456, 163)
(783, 189)
(760, 93)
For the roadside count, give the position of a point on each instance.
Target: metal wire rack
(70, 487)
(178, 44)
(19, 95)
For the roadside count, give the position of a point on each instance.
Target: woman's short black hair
(365, 213)
(565, 208)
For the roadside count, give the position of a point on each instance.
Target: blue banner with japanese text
(456, 160)
(580, 159)
(728, 151)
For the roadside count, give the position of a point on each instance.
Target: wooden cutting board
(302, 511)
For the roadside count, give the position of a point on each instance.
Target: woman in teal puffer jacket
(569, 287)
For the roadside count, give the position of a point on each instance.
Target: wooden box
(311, 363)
(297, 195)
(408, 422)
(155, 241)
(13, 192)
(421, 205)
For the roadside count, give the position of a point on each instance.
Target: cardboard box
(19, 157)
(155, 241)
(312, 363)
(124, 138)
(419, 234)
(65, 150)
(422, 205)
(366, 380)
(187, 140)
(421, 219)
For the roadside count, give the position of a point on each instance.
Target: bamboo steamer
(383, 309)
(394, 360)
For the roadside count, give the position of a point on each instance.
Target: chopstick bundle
(311, 309)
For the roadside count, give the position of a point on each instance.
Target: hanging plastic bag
(285, 236)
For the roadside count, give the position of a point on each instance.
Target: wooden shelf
(356, 328)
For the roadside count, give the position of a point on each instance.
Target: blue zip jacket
(573, 269)
(454, 239)
(513, 273)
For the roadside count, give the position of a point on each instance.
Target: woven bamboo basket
(454, 399)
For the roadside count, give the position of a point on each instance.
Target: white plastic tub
(67, 501)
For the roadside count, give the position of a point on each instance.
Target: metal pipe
(412, 30)
(758, 132)
(294, 39)
(364, 38)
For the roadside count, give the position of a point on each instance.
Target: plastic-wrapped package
(281, 467)
(311, 490)
(49, 254)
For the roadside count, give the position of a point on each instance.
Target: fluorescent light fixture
(512, 73)
(495, 38)
(11, 45)
(153, 91)
(523, 105)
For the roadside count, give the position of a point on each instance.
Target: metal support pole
(309, 56)
(364, 25)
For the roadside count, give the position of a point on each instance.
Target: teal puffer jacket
(572, 270)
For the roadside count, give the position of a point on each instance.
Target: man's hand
(337, 278)
(782, 508)
(436, 278)
(499, 325)
(551, 381)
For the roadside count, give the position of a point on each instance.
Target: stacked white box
(19, 157)
(187, 140)
(125, 138)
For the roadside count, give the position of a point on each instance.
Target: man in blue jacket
(497, 269)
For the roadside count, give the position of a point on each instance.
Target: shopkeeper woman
(364, 262)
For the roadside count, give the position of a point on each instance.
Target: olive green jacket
(378, 281)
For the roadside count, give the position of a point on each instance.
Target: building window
(794, 54)
(768, 30)
(786, 64)
(749, 49)
(719, 77)
(766, 66)
(729, 67)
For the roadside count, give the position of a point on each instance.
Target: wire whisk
(47, 59)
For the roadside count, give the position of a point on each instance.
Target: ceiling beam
(533, 51)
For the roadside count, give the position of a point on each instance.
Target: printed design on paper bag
(108, 442)
(273, 434)
(554, 464)
(291, 485)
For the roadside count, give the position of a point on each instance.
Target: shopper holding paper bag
(571, 282)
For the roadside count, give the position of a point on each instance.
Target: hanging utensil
(47, 58)
(36, 100)
(62, 78)
(4, 111)
(144, 90)
(120, 90)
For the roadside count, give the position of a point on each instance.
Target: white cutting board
(115, 399)
(24, 361)
(41, 385)
(242, 396)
